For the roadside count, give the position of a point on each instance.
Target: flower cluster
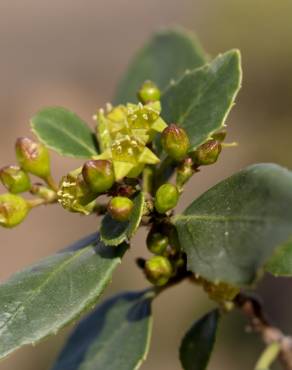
(33, 158)
(132, 138)
(124, 135)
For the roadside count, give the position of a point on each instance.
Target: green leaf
(201, 100)
(230, 231)
(114, 232)
(166, 56)
(40, 300)
(64, 132)
(280, 264)
(198, 343)
(115, 336)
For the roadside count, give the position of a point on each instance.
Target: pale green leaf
(64, 132)
(166, 56)
(41, 299)
(197, 345)
(230, 231)
(113, 232)
(115, 336)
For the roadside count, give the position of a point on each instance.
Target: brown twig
(259, 323)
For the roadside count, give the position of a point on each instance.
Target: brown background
(72, 53)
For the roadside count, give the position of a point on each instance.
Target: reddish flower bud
(219, 136)
(33, 157)
(120, 208)
(13, 210)
(175, 142)
(207, 153)
(99, 175)
(15, 179)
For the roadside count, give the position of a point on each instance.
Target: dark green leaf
(40, 300)
(64, 132)
(114, 232)
(166, 56)
(230, 231)
(201, 100)
(280, 263)
(198, 343)
(115, 336)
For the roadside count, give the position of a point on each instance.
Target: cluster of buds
(124, 135)
(33, 158)
(128, 138)
(168, 259)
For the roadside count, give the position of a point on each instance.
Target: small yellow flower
(129, 156)
(123, 133)
(74, 195)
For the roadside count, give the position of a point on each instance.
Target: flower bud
(13, 210)
(207, 153)
(120, 208)
(166, 198)
(149, 92)
(184, 172)
(33, 157)
(15, 179)
(158, 270)
(157, 243)
(74, 194)
(175, 142)
(219, 136)
(99, 175)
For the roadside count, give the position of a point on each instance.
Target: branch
(253, 310)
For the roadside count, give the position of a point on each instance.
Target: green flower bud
(184, 172)
(13, 210)
(207, 153)
(175, 142)
(149, 92)
(219, 136)
(166, 198)
(99, 175)
(157, 243)
(75, 195)
(158, 270)
(120, 208)
(33, 157)
(15, 179)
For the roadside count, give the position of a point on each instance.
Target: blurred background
(72, 53)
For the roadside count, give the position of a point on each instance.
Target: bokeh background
(72, 53)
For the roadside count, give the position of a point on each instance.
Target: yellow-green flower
(123, 133)
(138, 120)
(145, 120)
(129, 154)
(74, 194)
